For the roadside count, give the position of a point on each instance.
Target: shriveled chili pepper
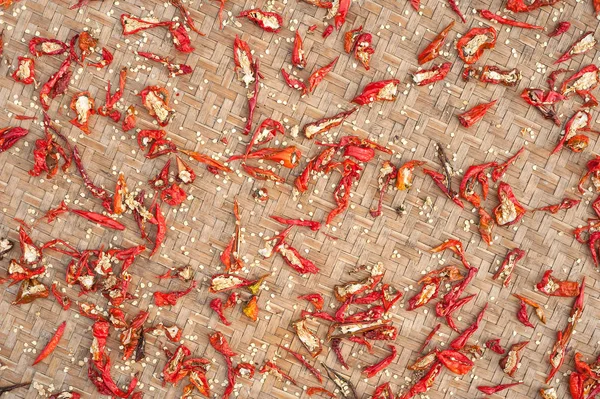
(545, 102)
(509, 211)
(487, 14)
(39, 46)
(494, 345)
(25, 72)
(132, 24)
(244, 64)
(288, 157)
(253, 97)
(566, 203)
(441, 181)
(156, 101)
(315, 299)
(52, 344)
(426, 77)
(308, 338)
(313, 225)
(475, 114)
(298, 57)
(319, 391)
(181, 38)
(432, 50)
(490, 390)
(266, 20)
(522, 315)
(486, 226)
(172, 372)
(455, 361)
(459, 342)
(9, 136)
(585, 43)
(373, 370)
(336, 346)
(475, 173)
(170, 298)
(508, 265)
(522, 6)
(317, 76)
(342, 192)
(472, 45)
(552, 286)
(510, 362)
(304, 362)
(294, 83)
(217, 305)
(99, 218)
(251, 308)
(345, 386)
(226, 282)
(30, 290)
(328, 31)
(405, 176)
(186, 15)
(383, 90)
(582, 83)
(272, 368)
(561, 27)
(385, 176)
(363, 50)
(245, 370)
(96, 191)
(63, 300)
(494, 75)
(107, 59)
(500, 170)
(538, 309)
(54, 86)
(579, 122)
(428, 293)
(429, 337)
(325, 124)
(426, 382)
(173, 195)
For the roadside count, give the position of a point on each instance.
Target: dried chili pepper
(245, 370)
(428, 292)
(253, 97)
(383, 90)
(319, 391)
(304, 362)
(181, 38)
(173, 195)
(251, 308)
(217, 305)
(374, 369)
(186, 15)
(54, 86)
(156, 101)
(310, 341)
(313, 225)
(582, 83)
(83, 105)
(317, 76)
(459, 342)
(475, 114)
(328, 31)
(30, 290)
(494, 345)
(288, 157)
(584, 44)
(486, 226)
(455, 361)
(172, 372)
(62, 300)
(363, 50)
(500, 170)
(325, 124)
(475, 173)
(552, 286)
(494, 75)
(267, 21)
(9, 136)
(46, 46)
(298, 57)
(170, 298)
(442, 182)
(132, 24)
(561, 27)
(430, 337)
(521, 6)
(405, 176)
(272, 368)
(522, 315)
(580, 121)
(244, 64)
(25, 72)
(96, 191)
(487, 14)
(432, 50)
(538, 309)
(336, 346)
(345, 386)
(566, 203)
(294, 83)
(52, 344)
(472, 45)
(545, 102)
(426, 77)
(424, 383)
(508, 265)
(107, 59)
(315, 299)
(490, 390)
(509, 211)
(510, 362)
(342, 191)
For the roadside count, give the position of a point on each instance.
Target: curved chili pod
(455, 361)
(584, 44)
(510, 362)
(433, 49)
(487, 14)
(428, 76)
(317, 76)
(268, 21)
(509, 211)
(46, 46)
(507, 268)
(383, 90)
(52, 344)
(475, 114)
(472, 45)
(156, 101)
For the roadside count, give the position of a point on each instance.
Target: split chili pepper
(62, 300)
(579, 122)
(108, 109)
(383, 391)
(310, 341)
(18, 272)
(442, 182)
(593, 171)
(545, 102)
(552, 286)
(288, 157)
(185, 174)
(25, 72)
(313, 225)
(253, 98)
(48, 152)
(405, 176)
(429, 337)
(86, 43)
(96, 191)
(550, 393)
(350, 38)
(325, 124)
(490, 390)
(456, 247)
(244, 65)
(156, 101)
(454, 7)
(509, 211)
(107, 59)
(474, 174)
(56, 85)
(389, 296)
(304, 362)
(160, 181)
(386, 174)
(582, 83)
(521, 6)
(173, 195)
(459, 342)
(510, 362)
(522, 315)
(170, 298)
(52, 344)
(560, 28)
(317, 76)
(475, 114)
(328, 31)
(494, 75)
(471, 46)
(172, 372)
(83, 105)
(46, 46)
(174, 69)
(30, 290)
(500, 170)
(507, 268)
(538, 309)
(315, 299)
(486, 226)
(487, 14)
(245, 370)
(298, 57)
(363, 50)
(272, 368)
(294, 83)
(455, 361)
(186, 15)
(382, 333)
(428, 293)
(345, 386)
(494, 345)
(251, 309)
(226, 282)
(432, 50)
(584, 44)
(426, 77)
(264, 133)
(424, 383)
(341, 193)
(336, 346)
(9, 136)
(181, 38)
(345, 291)
(213, 166)
(362, 341)
(267, 21)
(566, 203)
(373, 370)
(383, 90)
(340, 10)
(132, 24)
(217, 305)
(120, 195)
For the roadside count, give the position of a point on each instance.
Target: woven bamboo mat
(211, 105)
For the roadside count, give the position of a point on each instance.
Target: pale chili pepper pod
(156, 101)
(132, 24)
(25, 71)
(325, 124)
(510, 363)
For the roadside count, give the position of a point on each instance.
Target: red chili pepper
(83, 105)
(545, 102)
(350, 39)
(510, 362)
(9, 136)
(424, 383)
(494, 75)
(454, 7)
(464, 45)
(96, 191)
(336, 346)
(424, 362)
(298, 57)
(170, 298)
(272, 368)
(342, 192)
(561, 27)
(294, 83)
(56, 85)
(455, 361)
(487, 14)
(174, 69)
(319, 391)
(500, 170)
(253, 97)
(213, 166)
(156, 101)
(584, 44)
(507, 268)
(267, 21)
(264, 133)
(25, 72)
(474, 174)
(325, 124)
(107, 59)
(386, 174)
(538, 309)
(46, 46)
(374, 369)
(315, 299)
(459, 342)
(313, 225)
(494, 345)
(181, 38)
(490, 390)
(245, 370)
(441, 181)
(432, 51)
(486, 226)
(288, 157)
(305, 363)
(173, 372)
(426, 77)
(292, 258)
(566, 203)
(382, 333)
(552, 286)
(132, 24)
(62, 300)
(521, 6)
(363, 50)
(52, 344)
(186, 15)
(226, 282)
(317, 76)
(383, 391)
(580, 121)
(475, 114)
(30, 290)
(217, 305)
(328, 31)
(429, 337)
(509, 211)
(582, 83)
(244, 64)
(428, 292)
(522, 315)
(383, 90)
(173, 195)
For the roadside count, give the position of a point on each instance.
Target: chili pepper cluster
(363, 308)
